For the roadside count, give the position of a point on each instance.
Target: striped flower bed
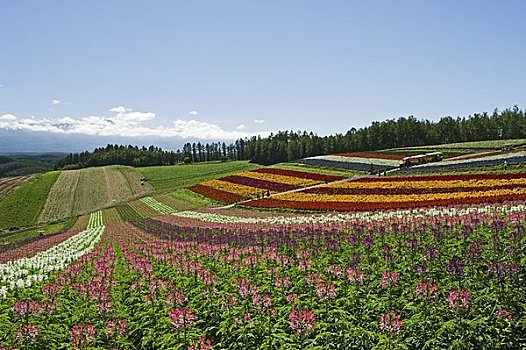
(258, 183)
(216, 194)
(395, 193)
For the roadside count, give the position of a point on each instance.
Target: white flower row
(360, 160)
(386, 215)
(95, 220)
(160, 207)
(24, 272)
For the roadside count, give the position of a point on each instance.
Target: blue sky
(224, 69)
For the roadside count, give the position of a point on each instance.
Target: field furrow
(60, 201)
(91, 192)
(8, 184)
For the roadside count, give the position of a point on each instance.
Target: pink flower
(504, 314)
(176, 299)
(390, 278)
(355, 276)
(282, 282)
(81, 335)
(390, 323)
(201, 344)
(426, 291)
(182, 318)
(115, 328)
(459, 299)
(26, 333)
(291, 297)
(326, 291)
(301, 322)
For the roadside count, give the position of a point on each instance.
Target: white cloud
(241, 127)
(8, 117)
(56, 102)
(125, 123)
(120, 109)
(193, 113)
(259, 121)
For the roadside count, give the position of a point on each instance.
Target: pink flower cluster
(390, 323)
(504, 314)
(426, 291)
(25, 308)
(116, 328)
(390, 278)
(302, 322)
(326, 291)
(182, 318)
(201, 344)
(26, 333)
(459, 299)
(82, 335)
(355, 276)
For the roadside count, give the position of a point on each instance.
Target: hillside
(22, 206)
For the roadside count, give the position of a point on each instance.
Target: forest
(286, 146)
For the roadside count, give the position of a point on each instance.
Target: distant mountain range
(14, 141)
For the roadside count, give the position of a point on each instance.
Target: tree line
(286, 146)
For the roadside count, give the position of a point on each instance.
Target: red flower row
(370, 155)
(403, 191)
(370, 206)
(258, 183)
(217, 195)
(462, 177)
(300, 174)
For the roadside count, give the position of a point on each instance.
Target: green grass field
(183, 199)
(46, 229)
(22, 207)
(169, 178)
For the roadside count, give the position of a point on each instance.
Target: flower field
(402, 192)
(413, 279)
(356, 161)
(255, 183)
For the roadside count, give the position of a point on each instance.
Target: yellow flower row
(430, 184)
(310, 197)
(226, 186)
(288, 180)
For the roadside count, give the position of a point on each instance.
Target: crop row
(160, 207)
(95, 220)
(127, 213)
(371, 156)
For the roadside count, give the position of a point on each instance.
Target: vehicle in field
(421, 159)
